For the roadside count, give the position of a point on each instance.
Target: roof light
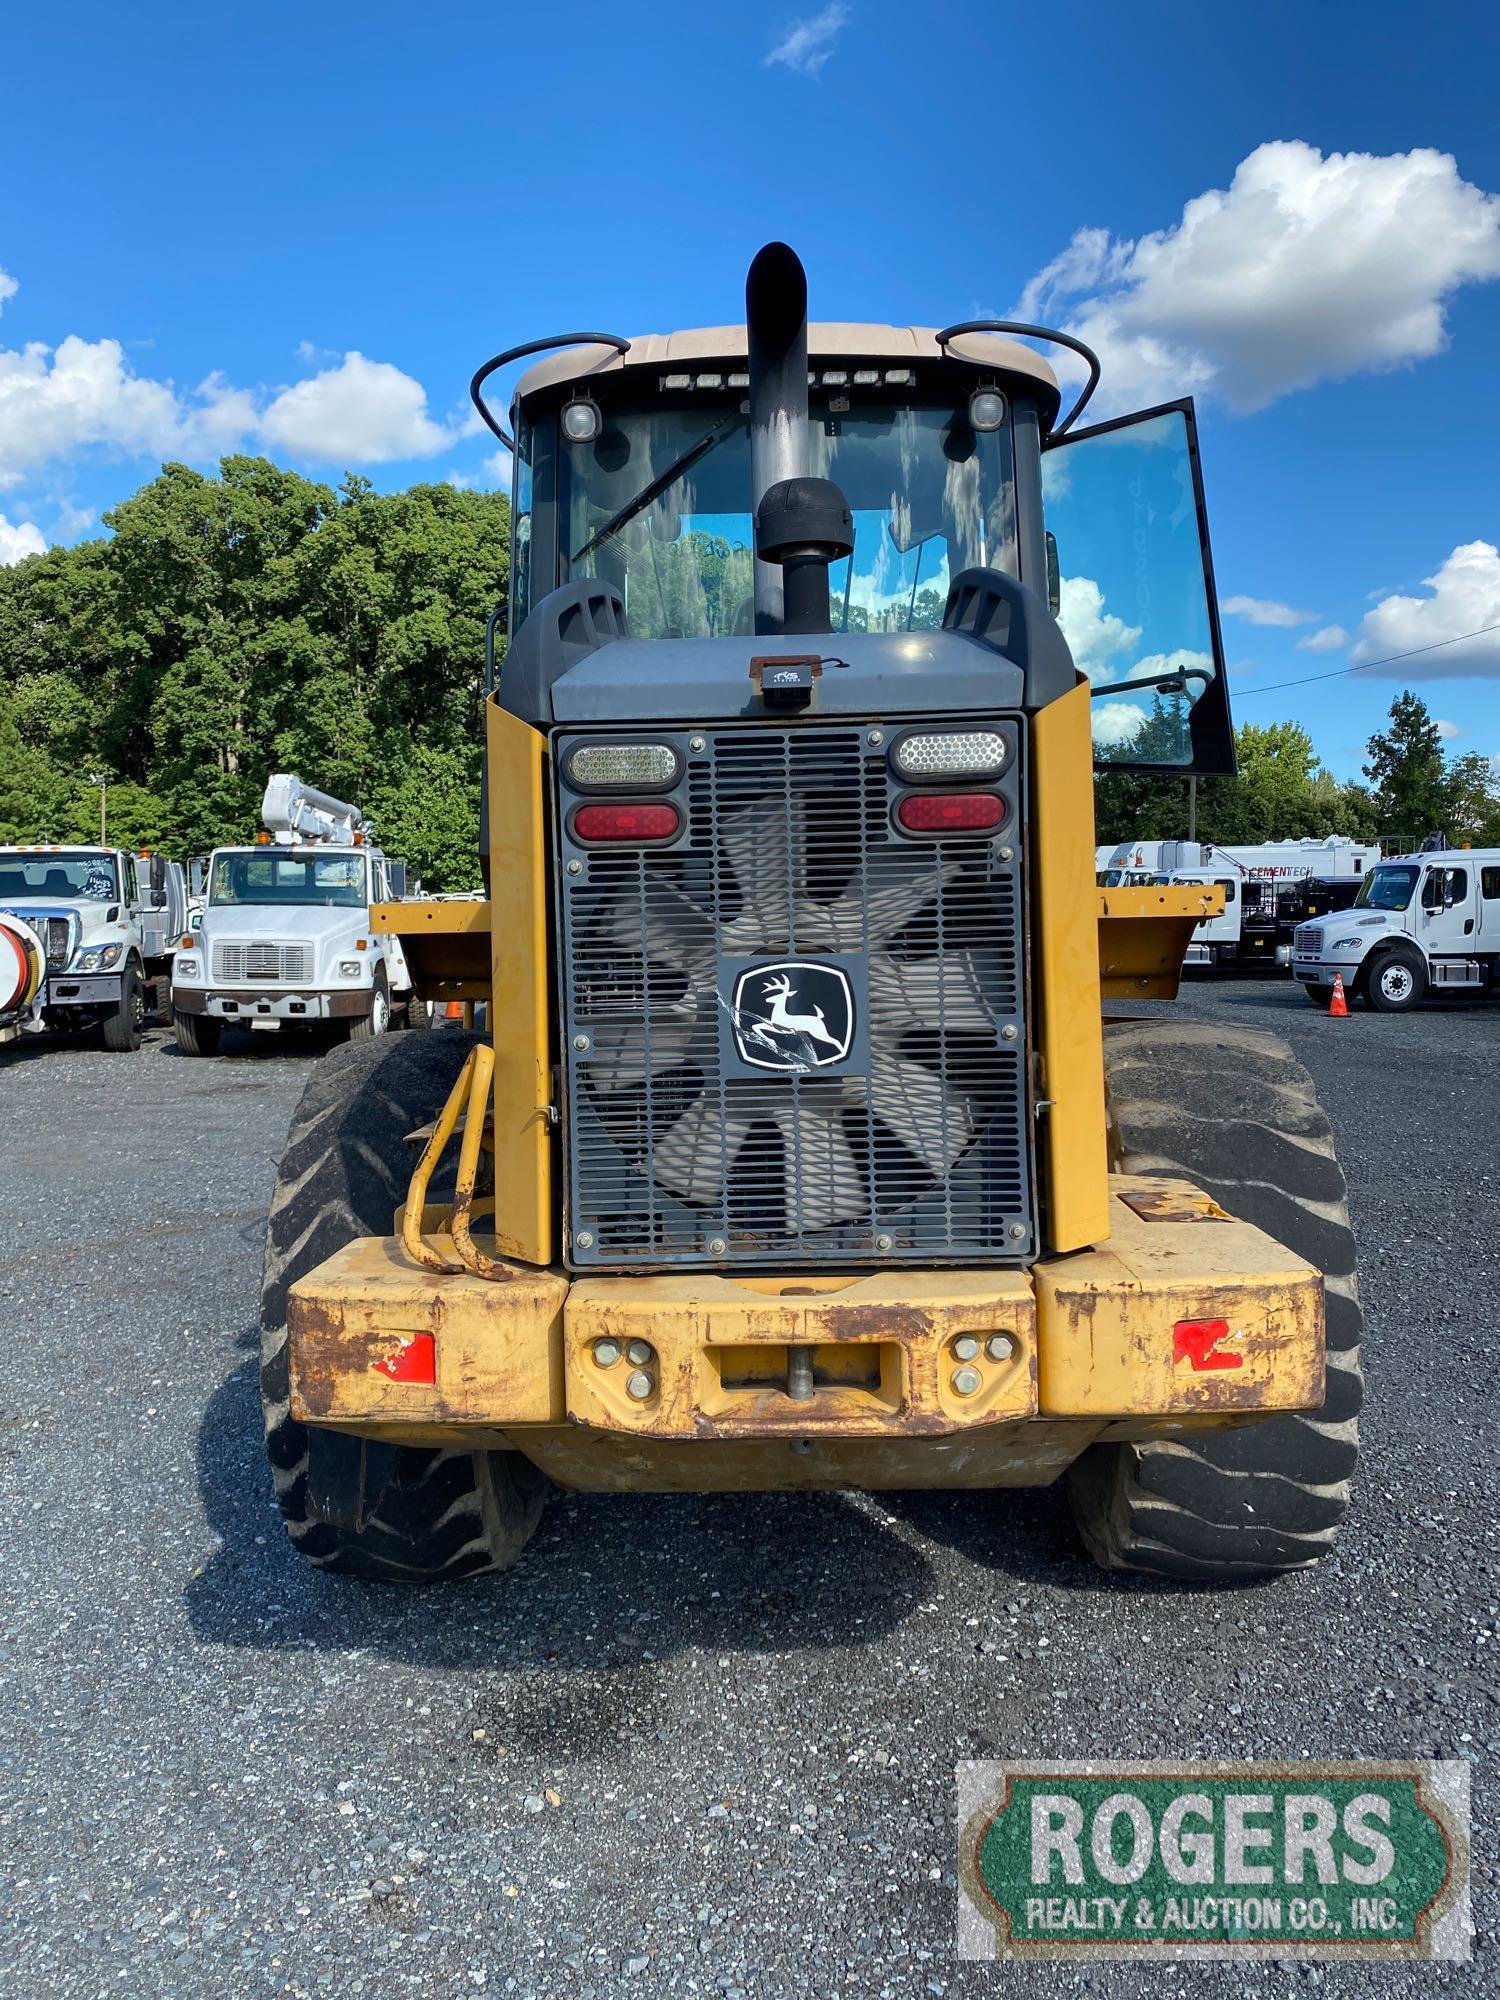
(866, 378)
(677, 381)
(950, 812)
(633, 767)
(835, 378)
(737, 381)
(900, 378)
(986, 409)
(640, 825)
(582, 420)
(710, 381)
(966, 753)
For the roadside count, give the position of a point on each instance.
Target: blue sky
(208, 213)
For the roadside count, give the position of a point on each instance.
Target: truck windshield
(269, 875)
(1386, 888)
(659, 505)
(59, 878)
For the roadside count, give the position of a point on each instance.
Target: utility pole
(101, 779)
(1192, 808)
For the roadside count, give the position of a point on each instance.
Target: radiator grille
(1307, 940)
(704, 1124)
(58, 942)
(248, 960)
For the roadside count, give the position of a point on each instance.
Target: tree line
(256, 621)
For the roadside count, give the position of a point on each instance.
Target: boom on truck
(285, 939)
(108, 924)
(797, 1153)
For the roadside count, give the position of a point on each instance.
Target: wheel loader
(798, 1149)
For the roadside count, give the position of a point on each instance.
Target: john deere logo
(793, 1016)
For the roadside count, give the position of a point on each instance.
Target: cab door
(1449, 917)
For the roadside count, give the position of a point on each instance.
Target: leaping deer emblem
(778, 991)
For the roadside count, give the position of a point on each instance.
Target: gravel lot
(690, 1746)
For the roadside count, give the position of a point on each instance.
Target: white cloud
(1116, 722)
(807, 45)
(1327, 639)
(498, 467)
(361, 412)
(19, 539)
(1184, 660)
(1094, 635)
(8, 288)
(1304, 269)
(1266, 611)
(1465, 598)
(1447, 730)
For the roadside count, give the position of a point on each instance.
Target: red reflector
(410, 1360)
(633, 823)
(950, 812)
(1201, 1343)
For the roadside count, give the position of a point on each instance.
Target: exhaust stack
(776, 330)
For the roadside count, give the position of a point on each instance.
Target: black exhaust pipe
(802, 524)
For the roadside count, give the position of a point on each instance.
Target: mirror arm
(481, 375)
(1035, 333)
(1163, 683)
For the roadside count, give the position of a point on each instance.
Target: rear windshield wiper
(658, 485)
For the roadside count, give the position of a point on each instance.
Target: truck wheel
(369, 1027)
(1396, 982)
(197, 1034)
(1232, 1110)
(390, 1513)
(416, 1013)
(122, 1028)
(1318, 995)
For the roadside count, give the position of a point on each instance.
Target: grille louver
(250, 960)
(913, 1146)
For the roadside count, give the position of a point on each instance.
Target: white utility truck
(1422, 923)
(285, 938)
(108, 924)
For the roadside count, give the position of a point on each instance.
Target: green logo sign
(1213, 1860)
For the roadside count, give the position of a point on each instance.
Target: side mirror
(158, 880)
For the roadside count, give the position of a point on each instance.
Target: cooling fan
(798, 1151)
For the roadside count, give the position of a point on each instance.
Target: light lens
(349, 968)
(950, 812)
(188, 967)
(971, 753)
(986, 409)
(637, 824)
(581, 421)
(635, 767)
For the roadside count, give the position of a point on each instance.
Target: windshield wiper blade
(659, 485)
(1174, 683)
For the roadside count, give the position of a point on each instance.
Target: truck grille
(250, 960)
(58, 942)
(1307, 940)
(786, 1032)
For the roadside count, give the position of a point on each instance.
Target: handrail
(1035, 333)
(481, 375)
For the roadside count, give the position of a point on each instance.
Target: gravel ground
(690, 1746)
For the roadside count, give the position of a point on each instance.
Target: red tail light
(640, 825)
(950, 812)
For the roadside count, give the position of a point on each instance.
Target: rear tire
(370, 1027)
(389, 1513)
(1233, 1111)
(122, 1028)
(197, 1034)
(416, 1014)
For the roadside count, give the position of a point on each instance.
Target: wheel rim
(1396, 982)
(380, 1015)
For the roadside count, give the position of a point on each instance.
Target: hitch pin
(799, 1374)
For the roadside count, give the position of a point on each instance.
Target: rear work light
(956, 753)
(640, 825)
(950, 812)
(631, 767)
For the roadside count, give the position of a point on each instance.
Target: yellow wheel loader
(796, 1150)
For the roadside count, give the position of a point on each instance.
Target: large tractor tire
(1232, 1110)
(390, 1513)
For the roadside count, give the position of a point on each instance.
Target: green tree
(1472, 802)
(1406, 770)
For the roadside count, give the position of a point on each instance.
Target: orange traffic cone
(454, 1011)
(1338, 1006)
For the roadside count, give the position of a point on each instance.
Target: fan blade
(823, 1181)
(931, 1120)
(695, 1156)
(625, 1053)
(900, 883)
(939, 993)
(765, 844)
(663, 923)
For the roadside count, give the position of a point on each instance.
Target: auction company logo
(1214, 1860)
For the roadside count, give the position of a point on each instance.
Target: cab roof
(827, 340)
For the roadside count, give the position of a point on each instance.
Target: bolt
(884, 1242)
(584, 1239)
(1009, 1032)
(874, 737)
(716, 1246)
(606, 1353)
(575, 867)
(1007, 853)
(639, 1386)
(697, 743)
(966, 1348)
(639, 1352)
(580, 1042)
(1017, 1232)
(965, 1381)
(999, 1347)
